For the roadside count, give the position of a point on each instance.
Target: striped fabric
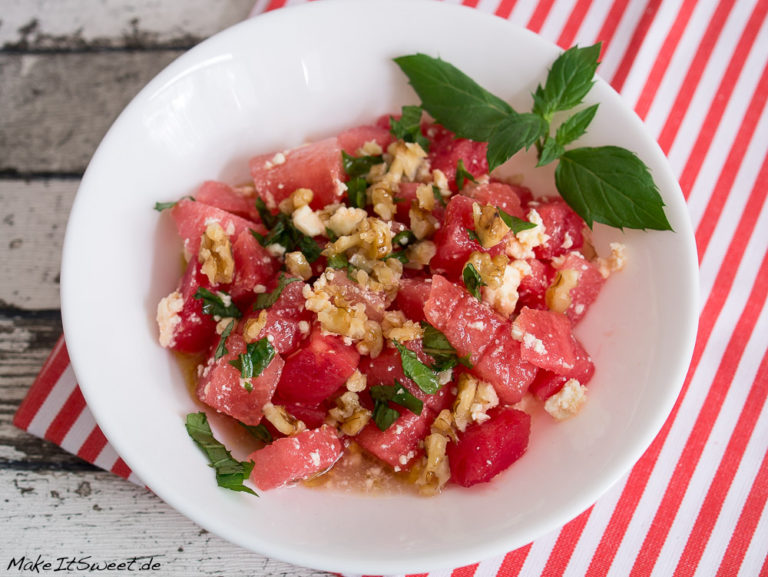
(695, 504)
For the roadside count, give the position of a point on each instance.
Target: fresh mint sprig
(604, 184)
(230, 473)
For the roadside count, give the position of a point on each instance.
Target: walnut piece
(215, 255)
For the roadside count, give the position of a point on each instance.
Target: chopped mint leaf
(439, 348)
(252, 363)
(462, 175)
(418, 372)
(221, 348)
(267, 218)
(473, 235)
(359, 166)
(399, 255)
(230, 473)
(438, 195)
(283, 232)
(408, 128)
(266, 300)
(259, 432)
(161, 206)
(472, 280)
(384, 416)
(397, 394)
(217, 304)
(403, 238)
(516, 224)
(356, 192)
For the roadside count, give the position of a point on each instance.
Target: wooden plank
(33, 217)
(55, 108)
(70, 25)
(99, 515)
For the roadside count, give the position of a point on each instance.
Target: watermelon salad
(379, 298)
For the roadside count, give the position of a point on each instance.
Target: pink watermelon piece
(412, 296)
(502, 366)
(230, 199)
(318, 369)
(546, 340)
(533, 287)
(548, 383)
(352, 139)
(220, 385)
(486, 449)
(398, 446)
(452, 240)
(446, 150)
(316, 166)
(499, 194)
(194, 332)
(375, 302)
(291, 459)
(590, 283)
(468, 324)
(561, 224)
(192, 218)
(253, 265)
(283, 327)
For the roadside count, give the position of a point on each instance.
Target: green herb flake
(397, 394)
(515, 223)
(221, 348)
(398, 255)
(254, 360)
(267, 218)
(266, 300)
(472, 280)
(338, 261)
(473, 235)
(217, 304)
(424, 377)
(384, 416)
(332, 236)
(230, 473)
(284, 233)
(161, 206)
(403, 238)
(259, 432)
(359, 166)
(436, 345)
(438, 195)
(462, 175)
(408, 127)
(356, 192)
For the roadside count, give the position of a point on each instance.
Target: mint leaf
(438, 195)
(473, 235)
(403, 238)
(513, 133)
(221, 348)
(356, 189)
(267, 218)
(259, 432)
(549, 151)
(424, 377)
(575, 126)
(266, 300)
(452, 98)
(230, 473)
(161, 206)
(462, 174)
(384, 416)
(436, 345)
(472, 280)
(217, 304)
(398, 255)
(397, 394)
(611, 185)
(516, 224)
(568, 82)
(408, 128)
(356, 166)
(254, 360)
(283, 232)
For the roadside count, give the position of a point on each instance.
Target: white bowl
(305, 73)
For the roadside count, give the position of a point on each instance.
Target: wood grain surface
(67, 68)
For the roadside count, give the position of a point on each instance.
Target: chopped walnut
(298, 265)
(407, 159)
(558, 295)
(423, 224)
(504, 298)
(350, 414)
(357, 382)
(282, 420)
(382, 199)
(344, 220)
(168, 318)
(375, 238)
(215, 255)
(444, 425)
(420, 253)
(253, 327)
(333, 312)
(490, 269)
(473, 400)
(489, 226)
(425, 197)
(298, 198)
(372, 341)
(396, 327)
(435, 472)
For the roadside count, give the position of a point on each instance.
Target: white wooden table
(67, 67)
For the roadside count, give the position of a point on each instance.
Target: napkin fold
(695, 503)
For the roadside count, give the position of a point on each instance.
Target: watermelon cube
(546, 340)
(548, 383)
(486, 449)
(562, 225)
(316, 166)
(446, 150)
(291, 459)
(412, 296)
(502, 365)
(352, 139)
(504, 196)
(221, 386)
(398, 446)
(318, 369)
(589, 284)
(239, 201)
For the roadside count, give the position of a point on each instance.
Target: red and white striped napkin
(695, 504)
